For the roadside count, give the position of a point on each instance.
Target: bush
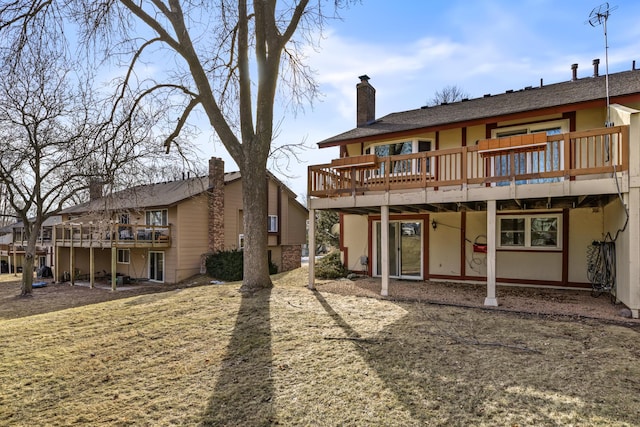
(330, 266)
(227, 265)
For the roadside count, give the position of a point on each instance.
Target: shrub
(330, 266)
(227, 265)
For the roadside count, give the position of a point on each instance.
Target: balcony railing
(521, 159)
(112, 234)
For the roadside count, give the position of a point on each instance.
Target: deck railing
(112, 234)
(497, 162)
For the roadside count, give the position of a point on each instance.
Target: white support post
(91, 266)
(491, 299)
(71, 260)
(312, 248)
(384, 242)
(114, 275)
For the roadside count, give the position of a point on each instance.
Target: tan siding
(191, 223)
(588, 119)
(296, 224)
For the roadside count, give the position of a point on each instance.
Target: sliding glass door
(405, 249)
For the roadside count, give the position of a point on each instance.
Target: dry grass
(289, 356)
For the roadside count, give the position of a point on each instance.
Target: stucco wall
(355, 240)
(444, 244)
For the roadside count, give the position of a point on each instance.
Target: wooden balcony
(523, 159)
(112, 235)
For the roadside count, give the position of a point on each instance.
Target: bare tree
(447, 95)
(225, 58)
(57, 140)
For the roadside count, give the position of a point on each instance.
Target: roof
(162, 194)
(52, 220)
(511, 102)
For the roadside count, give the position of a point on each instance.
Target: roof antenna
(599, 15)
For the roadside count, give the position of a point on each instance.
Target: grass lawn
(289, 356)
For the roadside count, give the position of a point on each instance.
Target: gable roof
(529, 99)
(164, 194)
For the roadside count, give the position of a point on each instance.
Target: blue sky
(411, 49)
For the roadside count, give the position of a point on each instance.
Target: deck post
(92, 266)
(71, 260)
(114, 276)
(384, 243)
(312, 248)
(491, 299)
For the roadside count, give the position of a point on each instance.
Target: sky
(411, 49)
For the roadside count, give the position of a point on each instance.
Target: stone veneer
(291, 255)
(216, 205)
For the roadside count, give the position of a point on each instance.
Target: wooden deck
(520, 159)
(112, 235)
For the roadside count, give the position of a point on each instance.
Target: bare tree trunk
(27, 265)
(256, 265)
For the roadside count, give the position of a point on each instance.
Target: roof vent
(424, 107)
(444, 103)
(487, 95)
(509, 91)
(528, 87)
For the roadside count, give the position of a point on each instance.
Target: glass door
(405, 249)
(156, 266)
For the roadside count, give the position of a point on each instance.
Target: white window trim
(527, 232)
(563, 124)
(121, 257)
(240, 241)
(272, 224)
(163, 215)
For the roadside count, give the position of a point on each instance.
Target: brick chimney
(574, 72)
(95, 189)
(596, 62)
(365, 101)
(216, 205)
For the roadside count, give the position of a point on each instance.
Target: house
(160, 232)
(536, 187)
(13, 243)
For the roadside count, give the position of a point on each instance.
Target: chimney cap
(364, 78)
(574, 66)
(596, 61)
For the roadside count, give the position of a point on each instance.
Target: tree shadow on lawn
(456, 366)
(243, 395)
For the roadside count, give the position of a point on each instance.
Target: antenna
(599, 16)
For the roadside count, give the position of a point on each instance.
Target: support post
(384, 242)
(91, 266)
(312, 248)
(114, 276)
(55, 255)
(491, 299)
(71, 260)
(15, 261)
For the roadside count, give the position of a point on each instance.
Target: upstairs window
(157, 217)
(272, 224)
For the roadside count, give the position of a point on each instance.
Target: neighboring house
(160, 232)
(511, 188)
(13, 243)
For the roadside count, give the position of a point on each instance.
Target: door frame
(163, 266)
(424, 218)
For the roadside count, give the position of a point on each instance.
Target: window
(123, 256)
(240, 241)
(158, 217)
(399, 148)
(550, 159)
(272, 226)
(124, 219)
(529, 231)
